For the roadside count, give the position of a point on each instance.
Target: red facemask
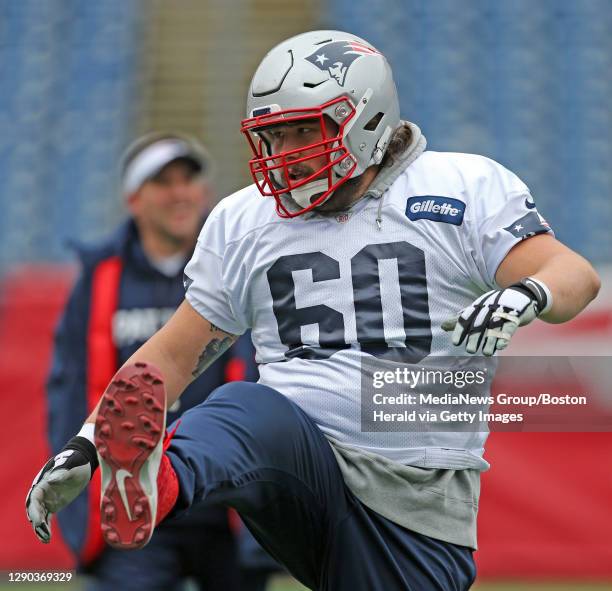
(271, 172)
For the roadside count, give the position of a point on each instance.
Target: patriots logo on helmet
(336, 57)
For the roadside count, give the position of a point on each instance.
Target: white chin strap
(303, 195)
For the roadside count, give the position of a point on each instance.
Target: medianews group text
(542, 399)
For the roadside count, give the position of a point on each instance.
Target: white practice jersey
(319, 293)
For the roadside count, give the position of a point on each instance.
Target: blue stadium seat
(525, 83)
(68, 96)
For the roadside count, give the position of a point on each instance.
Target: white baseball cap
(148, 155)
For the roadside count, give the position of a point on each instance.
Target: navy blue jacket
(145, 301)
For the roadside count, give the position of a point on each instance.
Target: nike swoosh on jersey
(121, 475)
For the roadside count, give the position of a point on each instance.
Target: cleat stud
(139, 537)
(147, 423)
(140, 364)
(144, 443)
(151, 378)
(111, 536)
(151, 403)
(127, 425)
(105, 430)
(102, 450)
(131, 400)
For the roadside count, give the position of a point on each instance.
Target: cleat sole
(128, 436)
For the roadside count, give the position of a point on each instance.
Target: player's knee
(247, 393)
(265, 411)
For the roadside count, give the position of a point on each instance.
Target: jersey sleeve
(506, 214)
(208, 288)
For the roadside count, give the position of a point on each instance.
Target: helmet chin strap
(304, 194)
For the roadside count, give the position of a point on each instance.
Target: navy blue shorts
(251, 448)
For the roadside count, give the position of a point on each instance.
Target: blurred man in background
(127, 289)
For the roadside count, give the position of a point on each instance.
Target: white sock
(87, 431)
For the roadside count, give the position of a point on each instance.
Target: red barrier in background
(30, 300)
(545, 505)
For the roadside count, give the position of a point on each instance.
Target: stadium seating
(525, 83)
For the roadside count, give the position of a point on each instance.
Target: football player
(363, 245)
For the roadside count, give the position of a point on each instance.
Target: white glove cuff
(543, 287)
(87, 431)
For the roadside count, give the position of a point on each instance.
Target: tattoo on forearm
(214, 349)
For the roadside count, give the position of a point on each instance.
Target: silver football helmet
(316, 77)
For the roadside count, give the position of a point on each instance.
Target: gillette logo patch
(436, 209)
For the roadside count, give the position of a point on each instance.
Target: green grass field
(289, 586)
(284, 584)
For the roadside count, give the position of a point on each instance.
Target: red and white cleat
(129, 438)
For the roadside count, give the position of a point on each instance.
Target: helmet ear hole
(372, 124)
